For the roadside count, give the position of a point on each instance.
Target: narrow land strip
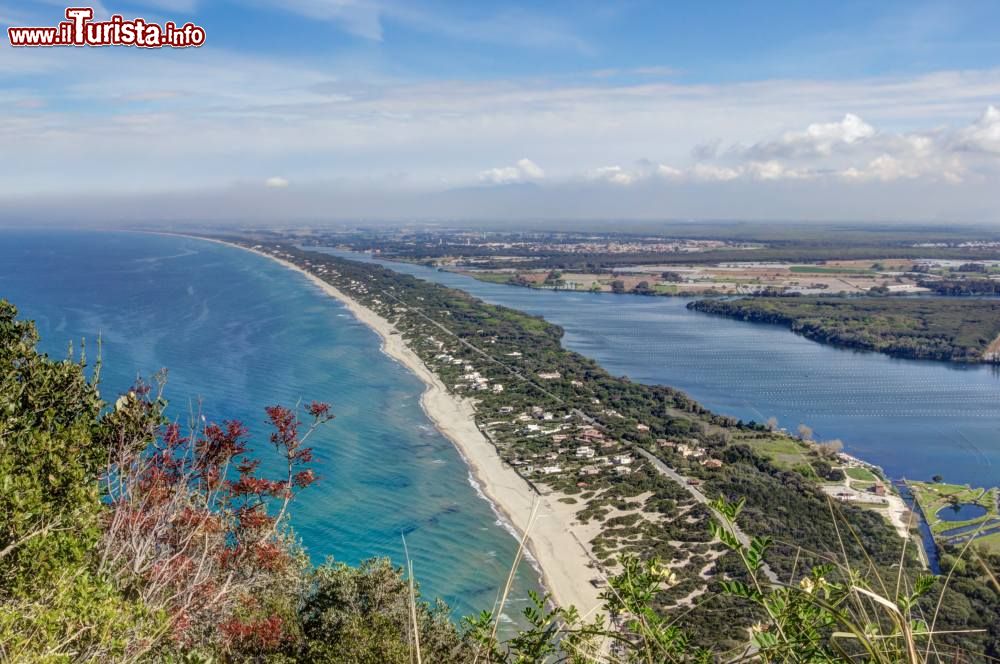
(565, 564)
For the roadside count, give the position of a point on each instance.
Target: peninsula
(615, 468)
(554, 542)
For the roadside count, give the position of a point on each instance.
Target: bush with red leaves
(195, 529)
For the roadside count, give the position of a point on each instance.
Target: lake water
(963, 512)
(239, 333)
(914, 418)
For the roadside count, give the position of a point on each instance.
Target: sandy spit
(555, 539)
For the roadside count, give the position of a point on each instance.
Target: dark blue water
(914, 418)
(926, 536)
(238, 333)
(980, 527)
(963, 512)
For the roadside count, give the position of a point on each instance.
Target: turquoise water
(238, 333)
(914, 418)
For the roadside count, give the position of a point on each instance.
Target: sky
(312, 110)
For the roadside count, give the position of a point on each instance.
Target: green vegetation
(931, 328)
(783, 451)
(860, 474)
(553, 399)
(491, 277)
(961, 287)
(123, 538)
(982, 531)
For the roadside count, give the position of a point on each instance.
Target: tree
(618, 286)
(772, 424)
(805, 432)
(937, 479)
(119, 535)
(195, 531)
(51, 601)
(830, 448)
(364, 614)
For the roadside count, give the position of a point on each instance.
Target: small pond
(963, 512)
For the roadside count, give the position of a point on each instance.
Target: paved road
(667, 471)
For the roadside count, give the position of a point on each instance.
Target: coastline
(552, 541)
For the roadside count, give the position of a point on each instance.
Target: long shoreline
(563, 562)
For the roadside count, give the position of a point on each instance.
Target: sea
(237, 332)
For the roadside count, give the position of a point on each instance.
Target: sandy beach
(555, 539)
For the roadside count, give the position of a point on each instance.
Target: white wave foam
(502, 521)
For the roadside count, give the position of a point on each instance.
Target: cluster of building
(691, 450)
(604, 246)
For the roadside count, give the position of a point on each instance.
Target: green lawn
(991, 543)
(934, 497)
(490, 277)
(786, 453)
(860, 474)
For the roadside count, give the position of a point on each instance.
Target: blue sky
(700, 42)
(376, 108)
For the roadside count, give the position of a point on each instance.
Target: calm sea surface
(239, 332)
(914, 418)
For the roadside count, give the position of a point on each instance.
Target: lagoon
(914, 418)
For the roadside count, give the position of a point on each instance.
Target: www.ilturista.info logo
(79, 29)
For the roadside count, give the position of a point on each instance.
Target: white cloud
(643, 170)
(530, 169)
(983, 135)
(884, 167)
(818, 139)
(849, 130)
(713, 173)
(223, 117)
(276, 182)
(524, 170)
(668, 172)
(775, 170)
(614, 175)
(887, 168)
